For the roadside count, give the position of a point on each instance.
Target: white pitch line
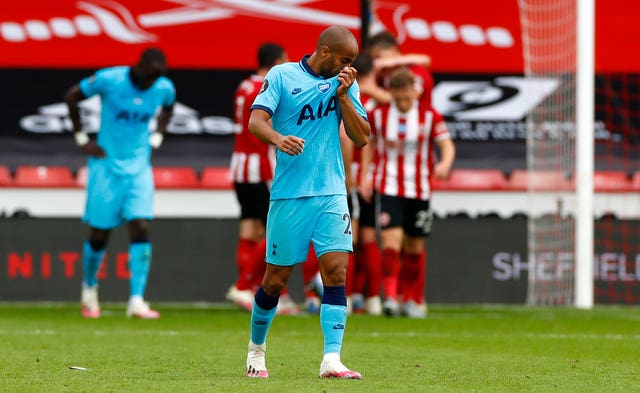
(352, 333)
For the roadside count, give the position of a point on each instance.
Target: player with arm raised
(306, 101)
(120, 180)
(406, 132)
(385, 50)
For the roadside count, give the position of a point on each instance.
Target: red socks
(390, 272)
(412, 277)
(244, 263)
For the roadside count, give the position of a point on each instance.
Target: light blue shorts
(112, 198)
(292, 224)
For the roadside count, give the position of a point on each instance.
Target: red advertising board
(461, 36)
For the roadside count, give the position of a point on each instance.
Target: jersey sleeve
(95, 84)
(354, 94)
(269, 95)
(440, 130)
(170, 94)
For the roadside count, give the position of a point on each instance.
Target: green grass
(203, 349)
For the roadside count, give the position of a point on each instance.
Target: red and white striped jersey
(252, 160)
(405, 145)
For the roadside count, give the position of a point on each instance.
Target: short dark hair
(401, 78)
(268, 54)
(363, 63)
(383, 39)
(152, 55)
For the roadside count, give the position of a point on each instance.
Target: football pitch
(202, 349)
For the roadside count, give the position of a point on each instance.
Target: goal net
(617, 228)
(549, 33)
(549, 45)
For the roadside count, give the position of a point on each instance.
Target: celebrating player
(406, 131)
(120, 180)
(385, 50)
(306, 102)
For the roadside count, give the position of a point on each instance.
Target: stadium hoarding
(194, 261)
(481, 260)
(470, 37)
(45, 47)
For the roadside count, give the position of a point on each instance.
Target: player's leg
(138, 212)
(312, 282)
(102, 213)
(254, 204)
(332, 241)
(288, 235)
(414, 264)
(241, 292)
(262, 313)
(370, 252)
(140, 251)
(417, 227)
(355, 299)
(92, 255)
(372, 270)
(391, 235)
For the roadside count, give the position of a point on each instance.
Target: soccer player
(120, 179)
(306, 102)
(385, 50)
(251, 173)
(406, 132)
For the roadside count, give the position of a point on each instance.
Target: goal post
(585, 153)
(558, 44)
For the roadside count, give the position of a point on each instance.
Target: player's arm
(260, 126)
(156, 138)
(356, 126)
(369, 87)
(365, 186)
(402, 60)
(73, 97)
(346, 145)
(447, 155)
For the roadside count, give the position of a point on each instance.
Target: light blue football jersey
(125, 116)
(304, 104)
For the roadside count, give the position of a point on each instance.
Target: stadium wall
(470, 260)
(194, 261)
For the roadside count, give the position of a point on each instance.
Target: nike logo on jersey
(296, 91)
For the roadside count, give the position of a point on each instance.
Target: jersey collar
(305, 66)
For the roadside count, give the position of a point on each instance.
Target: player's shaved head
(337, 38)
(151, 66)
(336, 49)
(153, 55)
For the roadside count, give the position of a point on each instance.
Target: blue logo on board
(324, 87)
